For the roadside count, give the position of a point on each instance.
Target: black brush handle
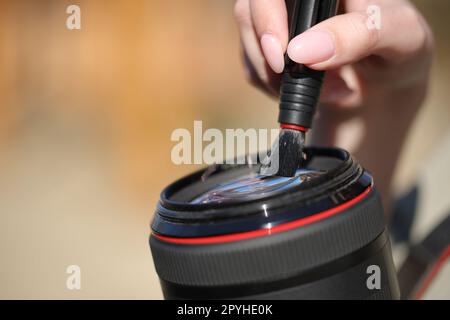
(300, 85)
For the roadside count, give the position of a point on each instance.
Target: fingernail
(273, 52)
(311, 47)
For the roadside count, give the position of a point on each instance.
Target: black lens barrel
(322, 243)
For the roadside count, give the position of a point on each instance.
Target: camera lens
(230, 233)
(253, 184)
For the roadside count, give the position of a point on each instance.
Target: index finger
(271, 26)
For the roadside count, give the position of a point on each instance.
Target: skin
(376, 77)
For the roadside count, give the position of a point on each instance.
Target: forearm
(374, 134)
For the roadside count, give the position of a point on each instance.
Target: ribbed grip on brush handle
(300, 86)
(299, 95)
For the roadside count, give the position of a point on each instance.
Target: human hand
(390, 56)
(377, 75)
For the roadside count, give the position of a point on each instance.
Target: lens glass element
(252, 185)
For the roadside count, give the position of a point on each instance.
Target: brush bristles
(286, 155)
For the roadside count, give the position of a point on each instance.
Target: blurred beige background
(85, 123)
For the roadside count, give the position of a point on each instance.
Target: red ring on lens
(265, 232)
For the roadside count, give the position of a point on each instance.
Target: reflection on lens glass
(253, 184)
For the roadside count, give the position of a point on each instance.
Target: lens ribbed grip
(273, 257)
(299, 95)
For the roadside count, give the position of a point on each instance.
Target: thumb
(350, 37)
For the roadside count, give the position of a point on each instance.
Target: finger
(351, 37)
(270, 22)
(254, 58)
(335, 90)
(252, 74)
